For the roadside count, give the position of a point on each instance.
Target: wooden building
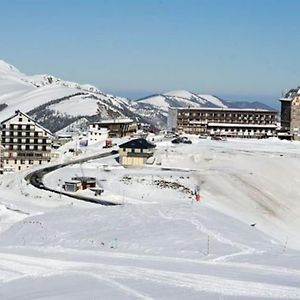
(72, 186)
(86, 182)
(135, 152)
(112, 128)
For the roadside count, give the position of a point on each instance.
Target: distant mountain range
(56, 103)
(182, 98)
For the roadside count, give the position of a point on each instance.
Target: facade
(72, 186)
(135, 152)
(25, 143)
(86, 182)
(231, 122)
(111, 128)
(290, 113)
(1, 159)
(96, 133)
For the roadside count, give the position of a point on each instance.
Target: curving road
(35, 178)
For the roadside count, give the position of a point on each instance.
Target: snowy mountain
(182, 98)
(56, 103)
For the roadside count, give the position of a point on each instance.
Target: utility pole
(285, 245)
(60, 187)
(208, 245)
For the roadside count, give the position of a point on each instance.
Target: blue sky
(238, 49)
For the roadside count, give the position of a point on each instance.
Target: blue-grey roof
(138, 143)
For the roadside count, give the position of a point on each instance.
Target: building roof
(72, 182)
(242, 125)
(84, 178)
(140, 143)
(114, 121)
(25, 115)
(220, 109)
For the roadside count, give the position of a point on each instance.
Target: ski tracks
(242, 249)
(29, 266)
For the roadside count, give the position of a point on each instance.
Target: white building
(111, 128)
(25, 143)
(96, 133)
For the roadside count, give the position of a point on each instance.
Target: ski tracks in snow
(242, 249)
(30, 266)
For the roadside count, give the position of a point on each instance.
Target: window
(20, 120)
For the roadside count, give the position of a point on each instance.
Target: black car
(176, 141)
(181, 140)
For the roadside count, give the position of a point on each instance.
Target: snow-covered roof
(223, 109)
(28, 117)
(242, 125)
(114, 121)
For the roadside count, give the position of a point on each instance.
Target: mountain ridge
(55, 103)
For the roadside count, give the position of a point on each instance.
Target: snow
(182, 98)
(180, 94)
(159, 101)
(160, 244)
(23, 92)
(74, 106)
(7, 68)
(214, 100)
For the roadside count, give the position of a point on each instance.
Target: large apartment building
(290, 113)
(25, 143)
(231, 122)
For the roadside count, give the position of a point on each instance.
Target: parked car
(181, 140)
(218, 138)
(202, 136)
(176, 141)
(185, 140)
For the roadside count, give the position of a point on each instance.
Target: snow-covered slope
(56, 103)
(182, 98)
(160, 244)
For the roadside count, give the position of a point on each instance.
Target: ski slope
(24, 92)
(160, 244)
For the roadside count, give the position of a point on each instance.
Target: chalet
(25, 142)
(86, 182)
(135, 152)
(72, 186)
(111, 128)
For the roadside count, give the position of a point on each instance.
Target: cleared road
(36, 178)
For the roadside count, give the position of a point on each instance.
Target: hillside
(56, 103)
(182, 98)
(160, 244)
